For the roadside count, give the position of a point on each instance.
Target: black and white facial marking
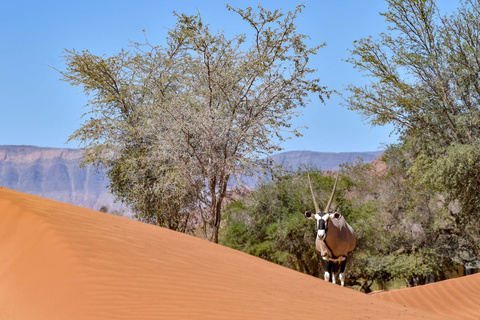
(321, 228)
(322, 223)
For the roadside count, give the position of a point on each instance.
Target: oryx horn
(317, 209)
(331, 196)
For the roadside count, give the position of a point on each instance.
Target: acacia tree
(201, 110)
(426, 83)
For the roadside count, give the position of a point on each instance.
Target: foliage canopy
(194, 113)
(425, 81)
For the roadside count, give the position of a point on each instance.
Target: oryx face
(322, 226)
(322, 223)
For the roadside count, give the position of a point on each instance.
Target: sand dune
(458, 298)
(58, 261)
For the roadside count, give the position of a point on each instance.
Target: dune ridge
(59, 261)
(453, 298)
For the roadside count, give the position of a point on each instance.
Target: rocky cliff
(54, 174)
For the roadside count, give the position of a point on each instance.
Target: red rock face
(379, 166)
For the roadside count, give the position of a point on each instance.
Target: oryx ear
(308, 214)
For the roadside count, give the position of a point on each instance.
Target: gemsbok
(335, 237)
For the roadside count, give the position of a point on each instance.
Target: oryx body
(335, 238)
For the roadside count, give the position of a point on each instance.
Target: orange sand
(58, 261)
(458, 298)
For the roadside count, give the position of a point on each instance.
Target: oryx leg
(326, 267)
(329, 272)
(342, 272)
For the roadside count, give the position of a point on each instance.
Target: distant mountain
(55, 174)
(323, 160)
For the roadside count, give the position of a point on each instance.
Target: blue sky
(36, 108)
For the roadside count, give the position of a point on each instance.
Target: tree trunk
(216, 208)
(216, 214)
